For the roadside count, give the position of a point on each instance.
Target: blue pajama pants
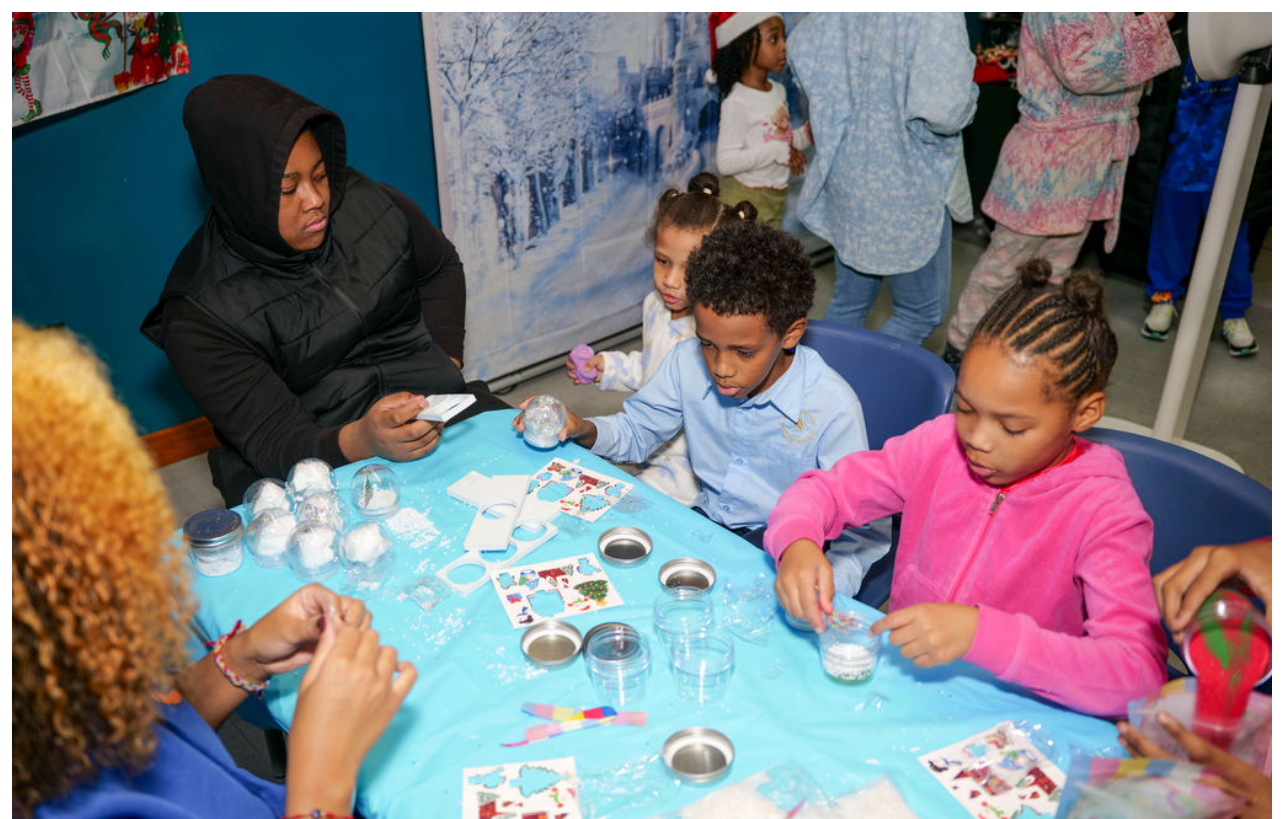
(1174, 235)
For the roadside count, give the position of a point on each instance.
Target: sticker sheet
(546, 789)
(998, 774)
(577, 491)
(554, 589)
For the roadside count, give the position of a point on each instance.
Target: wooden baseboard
(181, 441)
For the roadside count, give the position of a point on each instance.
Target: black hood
(242, 128)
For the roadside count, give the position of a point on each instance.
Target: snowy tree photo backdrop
(554, 135)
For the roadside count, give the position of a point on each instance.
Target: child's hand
(805, 583)
(1238, 778)
(594, 365)
(1184, 586)
(930, 633)
(797, 162)
(576, 427)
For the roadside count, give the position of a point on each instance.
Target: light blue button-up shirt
(744, 452)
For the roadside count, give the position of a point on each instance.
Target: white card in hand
(444, 407)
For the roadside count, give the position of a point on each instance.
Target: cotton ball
(366, 543)
(312, 548)
(310, 475)
(268, 536)
(266, 493)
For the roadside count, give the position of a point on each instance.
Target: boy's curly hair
(99, 594)
(749, 268)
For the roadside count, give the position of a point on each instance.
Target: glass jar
(214, 541)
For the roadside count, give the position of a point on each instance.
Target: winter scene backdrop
(555, 135)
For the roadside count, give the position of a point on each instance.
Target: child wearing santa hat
(757, 148)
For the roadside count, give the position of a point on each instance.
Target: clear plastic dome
(266, 493)
(366, 551)
(313, 551)
(375, 490)
(323, 507)
(544, 418)
(268, 536)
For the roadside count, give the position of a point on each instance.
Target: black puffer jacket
(281, 348)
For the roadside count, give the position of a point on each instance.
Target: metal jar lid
(698, 754)
(551, 643)
(213, 528)
(624, 546)
(687, 571)
(588, 635)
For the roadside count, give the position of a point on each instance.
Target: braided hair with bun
(1064, 324)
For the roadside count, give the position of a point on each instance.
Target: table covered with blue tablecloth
(474, 679)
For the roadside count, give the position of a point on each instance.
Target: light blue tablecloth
(473, 678)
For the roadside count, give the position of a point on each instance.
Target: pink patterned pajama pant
(996, 271)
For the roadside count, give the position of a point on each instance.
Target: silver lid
(624, 545)
(687, 571)
(698, 754)
(552, 643)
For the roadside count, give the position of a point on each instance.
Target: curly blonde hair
(99, 594)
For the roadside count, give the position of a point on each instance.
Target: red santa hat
(726, 26)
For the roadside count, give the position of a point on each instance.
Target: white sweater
(754, 137)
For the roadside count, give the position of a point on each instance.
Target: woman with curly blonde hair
(101, 725)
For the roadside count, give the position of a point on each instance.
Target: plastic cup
(848, 652)
(702, 664)
(682, 610)
(618, 661)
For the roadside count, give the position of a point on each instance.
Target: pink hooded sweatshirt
(1058, 565)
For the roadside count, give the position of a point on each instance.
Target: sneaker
(1160, 320)
(952, 356)
(1238, 337)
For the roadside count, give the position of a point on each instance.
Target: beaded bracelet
(317, 813)
(232, 677)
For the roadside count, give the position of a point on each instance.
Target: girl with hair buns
(1023, 548)
(102, 725)
(681, 222)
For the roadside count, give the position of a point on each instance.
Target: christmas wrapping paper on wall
(63, 60)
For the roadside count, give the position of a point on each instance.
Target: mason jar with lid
(214, 541)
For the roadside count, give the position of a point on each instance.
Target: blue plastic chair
(900, 385)
(1193, 500)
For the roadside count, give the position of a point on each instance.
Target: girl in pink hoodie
(1023, 548)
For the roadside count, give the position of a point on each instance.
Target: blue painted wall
(105, 197)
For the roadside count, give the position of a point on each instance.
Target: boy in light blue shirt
(759, 409)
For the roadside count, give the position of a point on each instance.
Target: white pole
(1216, 242)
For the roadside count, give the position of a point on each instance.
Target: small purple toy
(579, 357)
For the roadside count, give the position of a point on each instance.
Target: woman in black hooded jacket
(314, 308)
